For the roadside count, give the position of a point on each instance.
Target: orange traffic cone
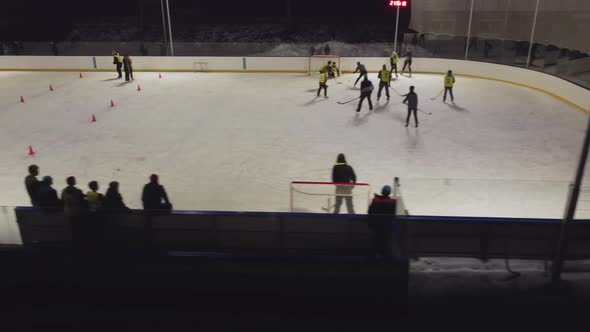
(93, 118)
(22, 100)
(50, 87)
(112, 103)
(31, 152)
(138, 87)
(160, 75)
(81, 76)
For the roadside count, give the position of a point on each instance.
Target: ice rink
(236, 141)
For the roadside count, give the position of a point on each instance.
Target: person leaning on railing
(153, 195)
(381, 215)
(47, 196)
(113, 201)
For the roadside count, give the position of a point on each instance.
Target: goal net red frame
(317, 61)
(320, 197)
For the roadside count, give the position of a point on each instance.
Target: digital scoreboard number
(398, 3)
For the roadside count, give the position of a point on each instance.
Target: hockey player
(449, 82)
(326, 67)
(394, 60)
(323, 83)
(343, 173)
(334, 71)
(408, 61)
(385, 80)
(366, 91)
(412, 102)
(360, 67)
(128, 68)
(118, 61)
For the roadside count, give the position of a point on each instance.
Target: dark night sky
(30, 16)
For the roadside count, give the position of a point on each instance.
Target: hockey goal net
(317, 61)
(320, 197)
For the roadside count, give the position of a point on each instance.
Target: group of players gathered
(330, 70)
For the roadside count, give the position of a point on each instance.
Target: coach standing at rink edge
(118, 61)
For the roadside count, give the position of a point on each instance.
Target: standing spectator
(32, 184)
(343, 173)
(327, 49)
(143, 50)
(74, 209)
(312, 50)
(47, 196)
(113, 201)
(152, 196)
(381, 218)
(128, 67)
(412, 101)
(54, 48)
(487, 47)
(94, 198)
(118, 62)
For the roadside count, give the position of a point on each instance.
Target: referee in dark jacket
(343, 173)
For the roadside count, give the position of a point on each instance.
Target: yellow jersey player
(449, 82)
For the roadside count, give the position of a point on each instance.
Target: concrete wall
(573, 94)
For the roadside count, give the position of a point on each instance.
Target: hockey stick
(392, 88)
(328, 209)
(429, 113)
(350, 101)
(438, 95)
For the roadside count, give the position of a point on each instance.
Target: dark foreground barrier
(308, 234)
(215, 270)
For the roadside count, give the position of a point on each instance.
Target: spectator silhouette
(153, 195)
(47, 196)
(74, 209)
(32, 184)
(381, 218)
(93, 198)
(113, 201)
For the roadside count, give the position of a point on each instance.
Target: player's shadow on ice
(457, 107)
(121, 84)
(400, 116)
(315, 100)
(361, 119)
(380, 108)
(111, 79)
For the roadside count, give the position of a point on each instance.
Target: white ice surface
(236, 141)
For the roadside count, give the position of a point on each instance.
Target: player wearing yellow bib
(385, 80)
(334, 71)
(408, 61)
(327, 68)
(394, 60)
(449, 82)
(323, 83)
